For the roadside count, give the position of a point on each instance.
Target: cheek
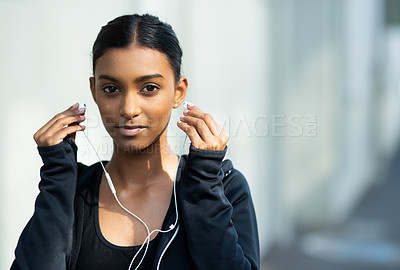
(159, 114)
(108, 112)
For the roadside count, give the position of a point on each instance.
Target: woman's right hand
(60, 126)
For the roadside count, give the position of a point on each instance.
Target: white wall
(358, 161)
(325, 62)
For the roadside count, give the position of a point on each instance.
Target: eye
(110, 89)
(150, 88)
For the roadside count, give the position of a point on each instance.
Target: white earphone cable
(147, 239)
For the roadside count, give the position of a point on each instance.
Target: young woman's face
(135, 91)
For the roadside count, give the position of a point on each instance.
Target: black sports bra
(97, 253)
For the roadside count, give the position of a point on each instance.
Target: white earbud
(82, 105)
(186, 103)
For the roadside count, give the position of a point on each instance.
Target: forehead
(133, 61)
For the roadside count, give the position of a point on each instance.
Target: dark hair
(145, 30)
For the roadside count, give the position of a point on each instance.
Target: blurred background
(308, 90)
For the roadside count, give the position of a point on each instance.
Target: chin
(137, 148)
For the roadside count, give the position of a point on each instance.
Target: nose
(130, 106)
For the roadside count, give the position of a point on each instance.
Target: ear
(180, 92)
(93, 88)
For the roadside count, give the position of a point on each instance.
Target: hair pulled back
(144, 30)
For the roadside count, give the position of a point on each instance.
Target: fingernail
(182, 117)
(81, 110)
(83, 127)
(190, 104)
(185, 112)
(76, 105)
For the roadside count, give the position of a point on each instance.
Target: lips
(130, 130)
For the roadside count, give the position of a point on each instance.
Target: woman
(78, 222)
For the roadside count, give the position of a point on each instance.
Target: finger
(53, 139)
(62, 122)
(200, 126)
(218, 131)
(191, 106)
(207, 118)
(70, 132)
(192, 134)
(73, 135)
(221, 137)
(74, 109)
(55, 127)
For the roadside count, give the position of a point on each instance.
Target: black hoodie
(217, 226)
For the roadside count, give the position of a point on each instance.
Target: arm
(47, 238)
(218, 214)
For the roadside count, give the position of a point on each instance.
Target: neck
(142, 168)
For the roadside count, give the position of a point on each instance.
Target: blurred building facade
(339, 61)
(308, 90)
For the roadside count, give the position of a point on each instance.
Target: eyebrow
(137, 80)
(147, 77)
(107, 77)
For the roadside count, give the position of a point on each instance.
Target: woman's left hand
(203, 131)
